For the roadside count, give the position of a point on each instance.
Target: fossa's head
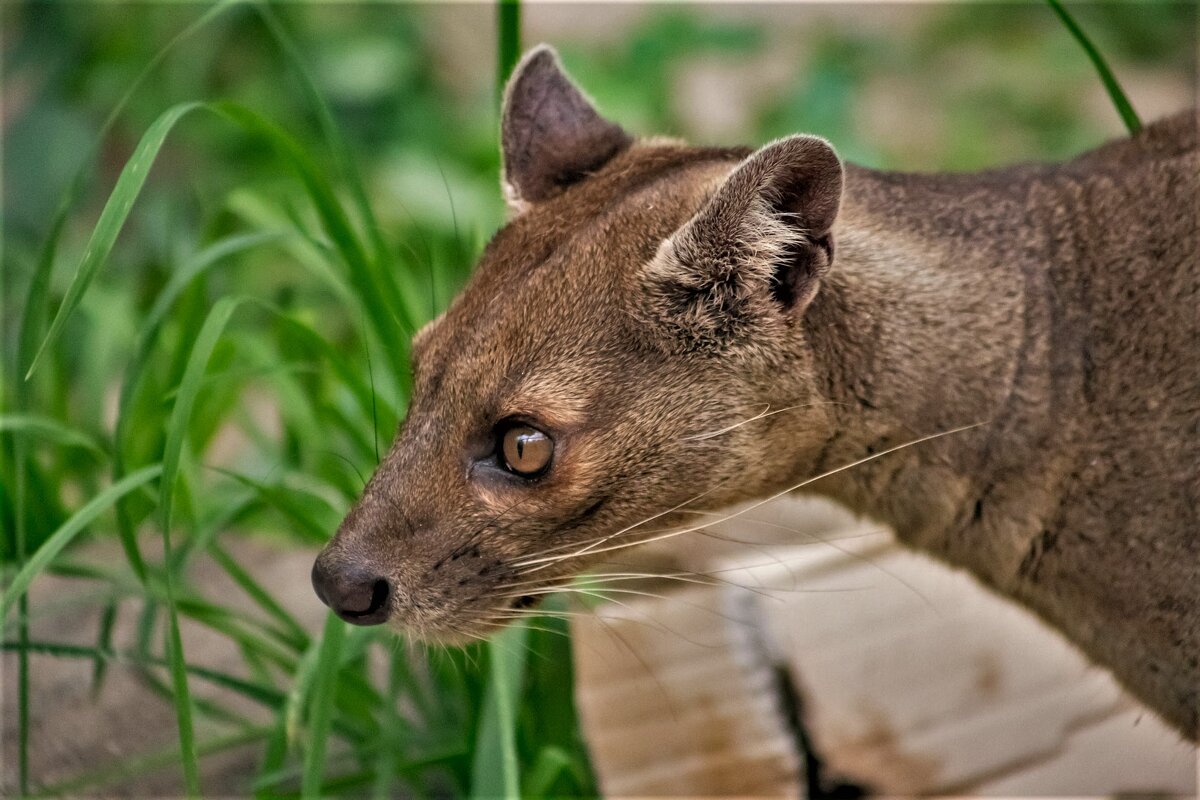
(609, 364)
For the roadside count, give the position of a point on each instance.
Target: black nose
(355, 594)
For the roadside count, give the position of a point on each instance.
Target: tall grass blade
(185, 399)
(181, 696)
(177, 428)
(19, 489)
(1115, 92)
(127, 769)
(112, 220)
(41, 559)
(312, 515)
(260, 595)
(288, 720)
(50, 430)
(321, 708)
(378, 295)
(108, 620)
(552, 764)
(35, 305)
(508, 42)
(266, 695)
(345, 165)
(151, 326)
(496, 770)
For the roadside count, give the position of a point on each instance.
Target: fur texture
(665, 291)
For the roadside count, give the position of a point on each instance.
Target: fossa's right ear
(551, 136)
(753, 257)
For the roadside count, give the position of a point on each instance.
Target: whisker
(683, 577)
(766, 412)
(600, 594)
(602, 539)
(642, 618)
(545, 561)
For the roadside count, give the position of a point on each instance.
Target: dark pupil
(527, 449)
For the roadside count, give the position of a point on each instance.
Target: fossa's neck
(919, 330)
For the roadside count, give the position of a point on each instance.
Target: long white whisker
(545, 561)
(766, 412)
(589, 580)
(603, 539)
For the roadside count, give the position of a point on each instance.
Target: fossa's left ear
(550, 134)
(754, 255)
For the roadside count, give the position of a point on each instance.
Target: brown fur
(659, 292)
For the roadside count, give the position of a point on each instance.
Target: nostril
(379, 595)
(376, 601)
(364, 600)
(354, 594)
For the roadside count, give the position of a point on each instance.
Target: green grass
(223, 230)
(1119, 99)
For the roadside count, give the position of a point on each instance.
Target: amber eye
(526, 450)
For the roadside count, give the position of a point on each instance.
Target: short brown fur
(1056, 305)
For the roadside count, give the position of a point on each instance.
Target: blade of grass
(393, 728)
(262, 693)
(35, 305)
(1115, 92)
(177, 428)
(287, 721)
(257, 593)
(51, 430)
(291, 502)
(191, 269)
(319, 347)
(496, 770)
(267, 641)
(377, 294)
(112, 220)
(147, 336)
(303, 693)
(508, 42)
(126, 769)
(151, 326)
(22, 623)
(103, 642)
(70, 529)
(321, 708)
(552, 763)
(230, 511)
(204, 343)
(182, 698)
(345, 165)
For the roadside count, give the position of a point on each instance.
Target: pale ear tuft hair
(753, 255)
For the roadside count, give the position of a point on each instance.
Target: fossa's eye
(525, 450)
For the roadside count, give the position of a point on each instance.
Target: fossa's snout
(356, 593)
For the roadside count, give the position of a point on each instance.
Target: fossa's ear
(753, 257)
(550, 134)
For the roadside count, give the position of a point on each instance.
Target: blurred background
(412, 89)
(919, 86)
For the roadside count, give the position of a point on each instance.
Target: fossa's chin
(464, 629)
